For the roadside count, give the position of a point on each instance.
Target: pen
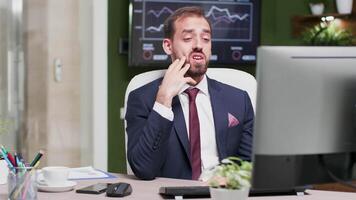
(19, 156)
(37, 158)
(18, 162)
(3, 149)
(6, 159)
(24, 193)
(9, 156)
(37, 164)
(11, 159)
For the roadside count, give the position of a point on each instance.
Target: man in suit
(185, 122)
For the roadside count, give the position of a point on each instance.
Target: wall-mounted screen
(235, 30)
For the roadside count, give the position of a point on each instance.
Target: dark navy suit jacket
(159, 147)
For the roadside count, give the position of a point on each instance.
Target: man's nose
(197, 44)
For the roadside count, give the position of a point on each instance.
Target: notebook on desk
(85, 173)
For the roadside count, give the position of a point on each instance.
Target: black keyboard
(203, 192)
(185, 191)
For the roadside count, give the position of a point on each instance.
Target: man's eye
(187, 39)
(206, 39)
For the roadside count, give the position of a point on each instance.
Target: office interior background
(63, 79)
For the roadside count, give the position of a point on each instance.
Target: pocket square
(233, 121)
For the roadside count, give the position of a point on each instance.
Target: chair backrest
(233, 77)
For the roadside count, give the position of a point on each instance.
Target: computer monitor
(306, 107)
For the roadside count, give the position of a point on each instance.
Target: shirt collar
(202, 86)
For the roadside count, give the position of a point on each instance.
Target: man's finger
(190, 81)
(179, 65)
(172, 66)
(184, 69)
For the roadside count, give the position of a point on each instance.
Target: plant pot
(316, 8)
(228, 194)
(344, 6)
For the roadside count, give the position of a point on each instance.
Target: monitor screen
(235, 28)
(306, 107)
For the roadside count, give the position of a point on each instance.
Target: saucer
(69, 185)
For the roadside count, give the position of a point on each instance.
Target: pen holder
(22, 183)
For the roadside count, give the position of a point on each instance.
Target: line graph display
(230, 21)
(157, 14)
(235, 30)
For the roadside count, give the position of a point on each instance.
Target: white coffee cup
(55, 176)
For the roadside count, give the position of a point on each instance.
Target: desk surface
(149, 190)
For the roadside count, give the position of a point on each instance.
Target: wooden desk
(149, 190)
(334, 187)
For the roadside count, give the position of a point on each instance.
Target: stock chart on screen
(235, 30)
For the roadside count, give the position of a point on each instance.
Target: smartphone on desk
(97, 188)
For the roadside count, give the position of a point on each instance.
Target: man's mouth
(197, 57)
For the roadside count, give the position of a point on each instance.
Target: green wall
(119, 76)
(117, 81)
(275, 30)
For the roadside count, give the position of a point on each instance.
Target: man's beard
(198, 70)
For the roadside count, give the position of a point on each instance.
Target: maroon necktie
(194, 134)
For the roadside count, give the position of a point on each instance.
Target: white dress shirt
(208, 147)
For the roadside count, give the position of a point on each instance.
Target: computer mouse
(119, 190)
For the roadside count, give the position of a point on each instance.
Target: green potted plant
(317, 6)
(231, 179)
(325, 34)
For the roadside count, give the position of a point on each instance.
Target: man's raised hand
(173, 81)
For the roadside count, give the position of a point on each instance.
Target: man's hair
(169, 28)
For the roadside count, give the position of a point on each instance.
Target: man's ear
(167, 46)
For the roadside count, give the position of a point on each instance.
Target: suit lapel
(220, 114)
(180, 126)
